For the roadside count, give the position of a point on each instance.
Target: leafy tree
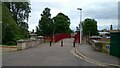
(11, 31)
(20, 11)
(111, 27)
(45, 23)
(58, 24)
(33, 31)
(77, 29)
(37, 31)
(61, 24)
(24, 26)
(8, 26)
(90, 27)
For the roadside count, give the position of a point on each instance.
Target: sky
(105, 12)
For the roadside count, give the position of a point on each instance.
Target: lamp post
(80, 26)
(53, 30)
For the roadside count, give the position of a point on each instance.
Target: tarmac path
(45, 55)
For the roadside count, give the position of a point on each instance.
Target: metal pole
(53, 31)
(89, 33)
(50, 42)
(61, 43)
(80, 27)
(53, 37)
(73, 44)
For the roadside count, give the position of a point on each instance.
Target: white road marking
(83, 57)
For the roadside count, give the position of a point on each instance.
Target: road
(45, 55)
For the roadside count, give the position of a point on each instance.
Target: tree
(32, 31)
(77, 29)
(37, 31)
(20, 11)
(90, 27)
(9, 27)
(111, 27)
(11, 31)
(58, 24)
(45, 23)
(61, 24)
(24, 26)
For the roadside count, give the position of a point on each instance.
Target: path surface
(45, 55)
(89, 52)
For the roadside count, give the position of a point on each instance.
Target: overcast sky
(105, 12)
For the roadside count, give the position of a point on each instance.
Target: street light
(53, 30)
(80, 27)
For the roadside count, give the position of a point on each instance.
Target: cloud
(107, 27)
(119, 15)
(36, 6)
(34, 19)
(104, 11)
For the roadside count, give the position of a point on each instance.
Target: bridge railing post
(50, 43)
(61, 43)
(73, 44)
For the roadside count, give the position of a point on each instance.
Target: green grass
(9, 45)
(103, 43)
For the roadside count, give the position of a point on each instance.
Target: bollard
(50, 43)
(73, 44)
(61, 43)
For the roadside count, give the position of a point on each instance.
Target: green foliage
(11, 31)
(24, 26)
(90, 27)
(61, 24)
(111, 27)
(58, 24)
(8, 26)
(77, 29)
(45, 23)
(0, 12)
(20, 11)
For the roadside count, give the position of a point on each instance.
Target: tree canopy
(11, 30)
(90, 27)
(45, 23)
(61, 24)
(57, 24)
(20, 10)
(111, 27)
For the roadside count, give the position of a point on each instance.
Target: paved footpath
(45, 55)
(103, 58)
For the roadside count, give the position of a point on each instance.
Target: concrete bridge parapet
(24, 44)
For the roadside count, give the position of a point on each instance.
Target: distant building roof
(95, 37)
(32, 34)
(103, 33)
